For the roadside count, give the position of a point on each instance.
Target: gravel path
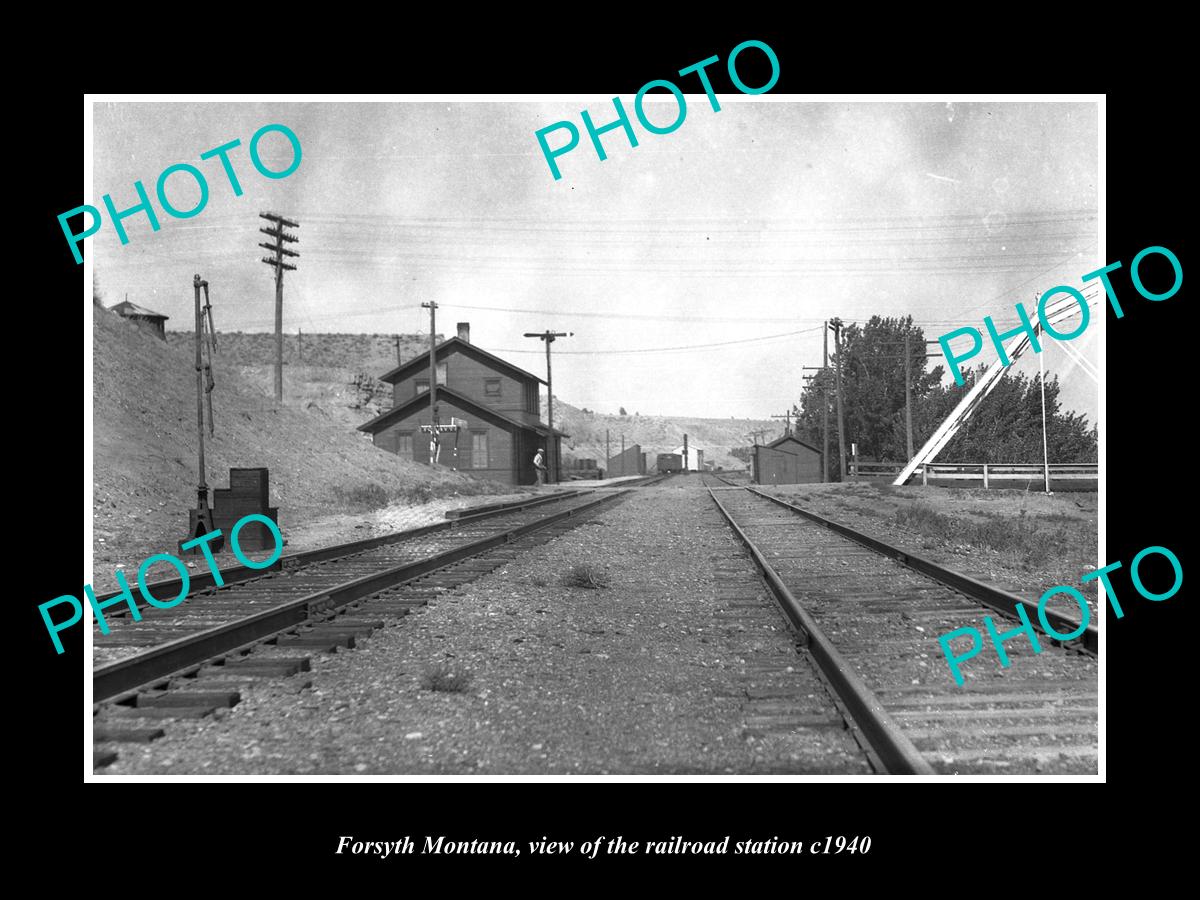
(680, 665)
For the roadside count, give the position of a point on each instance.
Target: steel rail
(995, 598)
(894, 749)
(169, 587)
(170, 658)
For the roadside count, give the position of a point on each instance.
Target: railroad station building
(496, 404)
(786, 460)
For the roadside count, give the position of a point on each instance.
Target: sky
(694, 270)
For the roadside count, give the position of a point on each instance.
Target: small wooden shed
(786, 460)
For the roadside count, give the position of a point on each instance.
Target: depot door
(526, 445)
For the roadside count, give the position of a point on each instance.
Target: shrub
(586, 577)
(444, 679)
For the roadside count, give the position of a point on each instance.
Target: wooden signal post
(202, 519)
(434, 446)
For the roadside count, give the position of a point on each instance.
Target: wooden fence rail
(1065, 476)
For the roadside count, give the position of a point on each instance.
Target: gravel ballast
(670, 659)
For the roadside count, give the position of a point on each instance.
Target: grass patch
(1018, 536)
(417, 494)
(586, 577)
(1060, 518)
(361, 497)
(885, 488)
(371, 496)
(444, 679)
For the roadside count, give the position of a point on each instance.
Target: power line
(769, 337)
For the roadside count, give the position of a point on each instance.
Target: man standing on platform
(539, 463)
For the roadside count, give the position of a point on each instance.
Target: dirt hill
(334, 374)
(337, 375)
(145, 447)
(656, 434)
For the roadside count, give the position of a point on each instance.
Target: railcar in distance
(669, 463)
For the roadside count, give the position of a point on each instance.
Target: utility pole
(685, 453)
(280, 252)
(397, 350)
(787, 417)
(908, 400)
(836, 325)
(1042, 381)
(824, 370)
(825, 408)
(433, 404)
(548, 337)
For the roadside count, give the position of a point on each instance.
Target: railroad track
(170, 587)
(870, 615)
(195, 658)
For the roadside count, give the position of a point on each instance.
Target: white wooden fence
(1066, 476)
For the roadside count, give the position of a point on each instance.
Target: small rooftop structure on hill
(156, 322)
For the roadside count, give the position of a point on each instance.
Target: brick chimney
(464, 332)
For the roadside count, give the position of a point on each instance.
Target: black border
(1146, 441)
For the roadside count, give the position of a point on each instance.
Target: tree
(623, 413)
(742, 453)
(1007, 426)
(873, 390)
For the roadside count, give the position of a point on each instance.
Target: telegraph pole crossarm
(284, 250)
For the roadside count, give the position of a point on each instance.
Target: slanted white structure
(1056, 312)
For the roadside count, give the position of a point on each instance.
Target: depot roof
(494, 416)
(443, 349)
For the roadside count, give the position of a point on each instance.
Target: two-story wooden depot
(499, 402)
